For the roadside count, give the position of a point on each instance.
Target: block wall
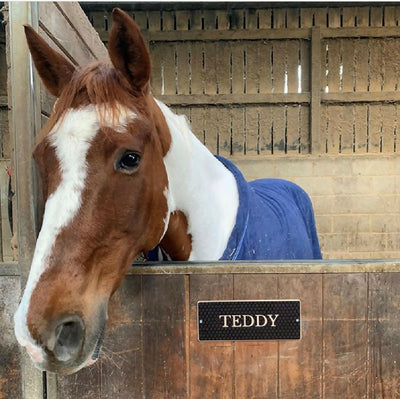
(356, 200)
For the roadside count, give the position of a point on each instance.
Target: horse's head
(100, 158)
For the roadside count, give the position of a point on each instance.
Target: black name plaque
(248, 320)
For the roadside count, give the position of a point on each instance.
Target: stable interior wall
(356, 199)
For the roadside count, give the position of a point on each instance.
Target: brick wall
(356, 200)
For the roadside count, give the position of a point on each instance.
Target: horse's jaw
(201, 188)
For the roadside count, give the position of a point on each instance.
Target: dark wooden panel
(256, 363)
(164, 343)
(10, 372)
(384, 335)
(345, 335)
(211, 363)
(300, 362)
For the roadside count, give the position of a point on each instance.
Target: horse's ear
(53, 68)
(128, 51)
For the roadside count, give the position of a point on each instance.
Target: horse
(123, 175)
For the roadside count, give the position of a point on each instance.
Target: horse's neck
(202, 189)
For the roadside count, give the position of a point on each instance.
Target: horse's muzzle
(66, 341)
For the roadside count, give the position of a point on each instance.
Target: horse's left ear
(53, 68)
(128, 51)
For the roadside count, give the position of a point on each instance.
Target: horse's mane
(98, 83)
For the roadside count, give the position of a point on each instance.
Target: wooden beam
(23, 123)
(360, 32)
(266, 267)
(234, 34)
(361, 97)
(236, 99)
(265, 34)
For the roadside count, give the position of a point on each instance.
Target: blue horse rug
(275, 220)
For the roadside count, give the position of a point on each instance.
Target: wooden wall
(349, 348)
(256, 80)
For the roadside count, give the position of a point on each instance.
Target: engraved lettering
(225, 317)
(273, 319)
(248, 320)
(261, 320)
(236, 320)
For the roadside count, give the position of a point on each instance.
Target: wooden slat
(266, 130)
(237, 66)
(293, 129)
(183, 72)
(334, 19)
(375, 65)
(167, 24)
(210, 362)
(383, 317)
(197, 68)
(376, 16)
(252, 130)
(279, 65)
(347, 130)
(360, 126)
(182, 20)
(264, 18)
(305, 139)
(157, 79)
(210, 60)
(348, 61)
(169, 69)
(315, 102)
(333, 66)
(389, 127)
(251, 18)
(374, 128)
(277, 114)
(345, 335)
(350, 17)
(223, 115)
(211, 127)
(361, 67)
(10, 369)
(256, 363)
(293, 55)
(238, 129)
(164, 355)
(197, 119)
(279, 18)
(305, 62)
(391, 51)
(333, 123)
(264, 65)
(223, 76)
(300, 362)
(252, 68)
(222, 18)
(154, 18)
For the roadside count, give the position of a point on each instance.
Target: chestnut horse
(121, 175)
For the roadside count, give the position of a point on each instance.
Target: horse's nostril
(68, 338)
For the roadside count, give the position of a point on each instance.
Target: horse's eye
(128, 162)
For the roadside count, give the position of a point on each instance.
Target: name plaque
(248, 320)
